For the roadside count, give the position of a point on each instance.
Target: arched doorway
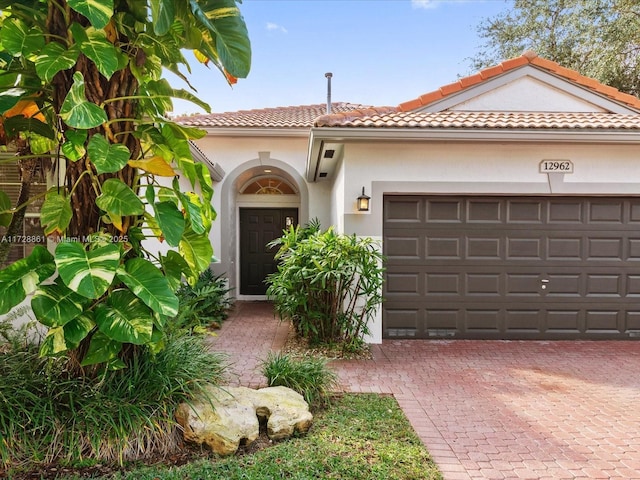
(266, 207)
(235, 195)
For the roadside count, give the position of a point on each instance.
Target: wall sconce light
(363, 202)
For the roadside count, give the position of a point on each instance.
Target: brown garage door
(511, 268)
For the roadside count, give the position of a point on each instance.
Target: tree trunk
(85, 187)
(123, 84)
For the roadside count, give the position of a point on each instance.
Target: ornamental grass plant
(310, 377)
(48, 416)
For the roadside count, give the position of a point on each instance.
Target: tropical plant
(598, 38)
(329, 285)
(205, 304)
(310, 377)
(82, 96)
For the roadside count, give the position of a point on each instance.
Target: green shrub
(329, 285)
(47, 416)
(310, 377)
(205, 304)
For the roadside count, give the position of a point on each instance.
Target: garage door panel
(444, 211)
(605, 212)
(483, 284)
(565, 212)
(485, 211)
(448, 284)
(564, 321)
(402, 322)
(524, 248)
(603, 321)
(633, 285)
(443, 248)
(565, 285)
(522, 284)
(633, 252)
(604, 285)
(483, 319)
(482, 267)
(403, 283)
(406, 247)
(405, 211)
(607, 248)
(485, 248)
(565, 248)
(519, 321)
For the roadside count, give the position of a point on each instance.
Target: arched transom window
(268, 186)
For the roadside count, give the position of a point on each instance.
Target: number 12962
(556, 166)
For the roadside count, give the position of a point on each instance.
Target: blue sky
(381, 52)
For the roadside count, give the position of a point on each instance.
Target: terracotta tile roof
(484, 120)
(301, 116)
(527, 58)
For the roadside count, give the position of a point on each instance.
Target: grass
(46, 416)
(358, 437)
(310, 377)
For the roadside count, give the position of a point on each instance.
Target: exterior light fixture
(363, 202)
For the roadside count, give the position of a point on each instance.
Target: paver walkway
(488, 409)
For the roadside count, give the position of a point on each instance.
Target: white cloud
(431, 4)
(425, 4)
(275, 27)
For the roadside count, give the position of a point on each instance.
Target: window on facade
(269, 186)
(31, 233)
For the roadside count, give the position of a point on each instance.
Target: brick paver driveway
(491, 409)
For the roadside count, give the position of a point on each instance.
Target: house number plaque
(556, 166)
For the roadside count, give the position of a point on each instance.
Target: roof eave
(255, 132)
(318, 135)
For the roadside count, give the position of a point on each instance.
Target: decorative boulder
(225, 417)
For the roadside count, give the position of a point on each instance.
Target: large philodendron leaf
(53, 343)
(77, 111)
(56, 213)
(230, 40)
(102, 349)
(74, 148)
(95, 45)
(171, 222)
(117, 198)
(197, 252)
(62, 338)
(124, 318)
(149, 285)
(20, 40)
(174, 266)
(77, 329)
(5, 206)
(22, 277)
(99, 12)
(54, 58)
(162, 14)
(107, 157)
(88, 273)
(155, 165)
(56, 305)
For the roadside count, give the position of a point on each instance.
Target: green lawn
(359, 437)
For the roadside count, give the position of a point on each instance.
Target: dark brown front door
(258, 227)
(512, 267)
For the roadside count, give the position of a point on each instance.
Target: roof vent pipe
(328, 75)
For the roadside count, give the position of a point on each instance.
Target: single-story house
(507, 203)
